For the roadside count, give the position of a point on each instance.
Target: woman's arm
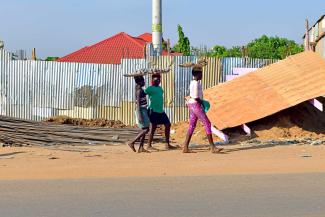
(137, 94)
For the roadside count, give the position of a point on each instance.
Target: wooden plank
(21, 132)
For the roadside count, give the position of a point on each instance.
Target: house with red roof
(112, 50)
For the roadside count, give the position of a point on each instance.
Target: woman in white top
(197, 111)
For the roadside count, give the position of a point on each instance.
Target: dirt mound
(86, 122)
(301, 121)
(179, 131)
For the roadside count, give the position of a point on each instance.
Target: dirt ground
(118, 161)
(301, 121)
(274, 147)
(85, 122)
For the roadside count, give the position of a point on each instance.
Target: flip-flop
(152, 149)
(189, 152)
(217, 150)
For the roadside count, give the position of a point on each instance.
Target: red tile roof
(112, 50)
(109, 51)
(146, 37)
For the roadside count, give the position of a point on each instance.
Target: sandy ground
(118, 161)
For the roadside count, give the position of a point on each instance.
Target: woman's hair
(157, 75)
(138, 79)
(196, 70)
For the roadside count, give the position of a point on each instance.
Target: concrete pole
(157, 26)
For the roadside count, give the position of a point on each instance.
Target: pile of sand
(86, 122)
(179, 131)
(301, 121)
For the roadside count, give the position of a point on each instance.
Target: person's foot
(152, 148)
(216, 150)
(143, 150)
(131, 145)
(170, 147)
(187, 151)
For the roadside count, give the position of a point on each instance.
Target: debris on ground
(279, 142)
(6, 157)
(86, 122)
(306, 156)
(17, 132)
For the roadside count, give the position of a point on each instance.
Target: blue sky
(59, 27)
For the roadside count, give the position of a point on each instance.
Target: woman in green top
(157, 114)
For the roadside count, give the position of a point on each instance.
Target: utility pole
(34, 54)
(307, 40)
(157, 26)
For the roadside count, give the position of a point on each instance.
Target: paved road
(217, 196)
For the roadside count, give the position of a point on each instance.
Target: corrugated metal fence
(36, 90)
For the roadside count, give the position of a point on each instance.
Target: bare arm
(137, 94)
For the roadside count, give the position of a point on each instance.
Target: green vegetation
(51, 58)
(221, 51)
(263, 48)
(183, 45)
(273, 48)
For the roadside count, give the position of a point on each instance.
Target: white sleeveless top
(195, 91)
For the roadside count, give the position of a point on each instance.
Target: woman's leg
(144, 131)
(152, 132)
(141, 148)
(193, 122)
(207, 125)
(167, 137)
(144, 128)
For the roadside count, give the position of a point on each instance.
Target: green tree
(183, 45)
(233, 52)
(51, 58)
(221, 51)
(273, 48)
(217, 51)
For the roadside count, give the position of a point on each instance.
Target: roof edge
(90, 46)
(319, 19)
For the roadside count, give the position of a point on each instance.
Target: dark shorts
(158, 118)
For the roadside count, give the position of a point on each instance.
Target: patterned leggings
(196, 112)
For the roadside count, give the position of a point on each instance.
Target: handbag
(205, 105)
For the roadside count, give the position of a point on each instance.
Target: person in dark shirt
(141, 114)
